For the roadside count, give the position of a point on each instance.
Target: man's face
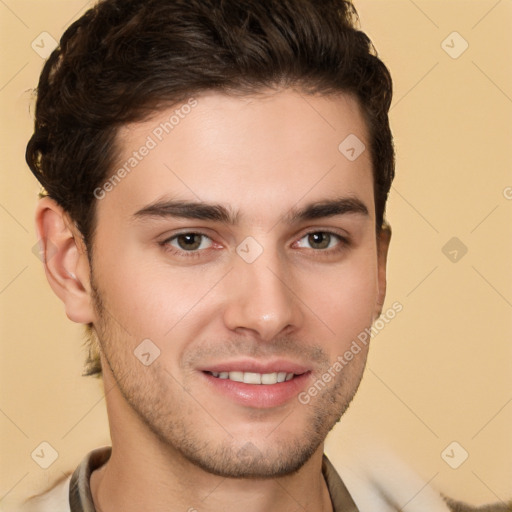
(242, 245)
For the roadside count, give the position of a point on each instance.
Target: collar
(80, 497)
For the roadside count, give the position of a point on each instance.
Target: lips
(257, 384)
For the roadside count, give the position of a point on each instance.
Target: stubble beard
(190, 432)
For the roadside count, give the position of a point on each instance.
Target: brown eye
(190, 242)
(320, 240)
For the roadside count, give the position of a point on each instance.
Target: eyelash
(343, 243)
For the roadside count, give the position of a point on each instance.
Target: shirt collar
(80, 497)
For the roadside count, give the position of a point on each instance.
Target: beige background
(439, 372)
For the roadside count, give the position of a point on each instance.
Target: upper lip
(255, 366)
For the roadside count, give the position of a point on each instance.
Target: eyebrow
(187, 210)
(329, 208)
(219, 213)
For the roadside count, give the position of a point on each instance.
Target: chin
(251, 462)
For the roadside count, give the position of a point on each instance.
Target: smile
(256, 383)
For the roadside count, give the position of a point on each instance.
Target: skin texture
(263, 159)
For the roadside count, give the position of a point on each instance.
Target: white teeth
(236, 376)
(252, 378)
(255, 378)
(269, 378)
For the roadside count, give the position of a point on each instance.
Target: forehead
(256, 154)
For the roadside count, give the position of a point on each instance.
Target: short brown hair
(124, 59)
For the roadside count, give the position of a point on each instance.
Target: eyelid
(340, 233)
(185, 231)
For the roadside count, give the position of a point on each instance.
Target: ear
(383, 240)
(65, 261)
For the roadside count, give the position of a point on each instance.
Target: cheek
(344, 298)
(148, 298)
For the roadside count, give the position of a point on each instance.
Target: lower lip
(261, 396)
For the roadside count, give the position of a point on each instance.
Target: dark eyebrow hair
(219, 213)
(329, 208)
(187, 210)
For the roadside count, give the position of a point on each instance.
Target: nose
(262, 301)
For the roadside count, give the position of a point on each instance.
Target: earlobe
(65, 260)
(383, 240)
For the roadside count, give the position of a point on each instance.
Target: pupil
(319, 240)
(189, 242)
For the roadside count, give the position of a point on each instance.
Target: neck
(135, 479)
